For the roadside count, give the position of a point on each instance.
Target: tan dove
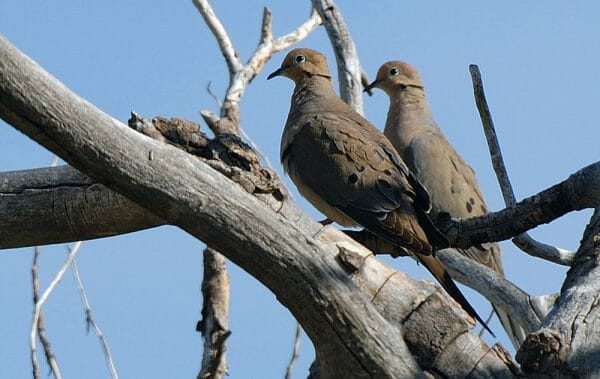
(351, 172)
(449, 180)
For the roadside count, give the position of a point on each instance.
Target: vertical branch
(349, 72)
(39, 302)
(36, 291)
(90, 320)
(214, 324)
(524, 241)
(295, 352)
(215, 285)
(41, 330)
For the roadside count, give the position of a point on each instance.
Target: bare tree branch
(89, 319)
(240, 75)
(214, 325)
(60, 204)
(295, 353)
(50, 358)
(41, 330)
(567, 343)
(38, 309)
(348, 65)
(524, 241)
(579, 191)
(210, 18)
(495, 288)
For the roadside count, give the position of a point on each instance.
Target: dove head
(302, 63)
(395, 76)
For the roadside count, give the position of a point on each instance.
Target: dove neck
(312, 91)
(408, 116)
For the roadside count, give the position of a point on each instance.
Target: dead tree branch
(214, 325)
(41, 330)
(524, 241)
(89, 319)
(567, 343)
(350, 329)
(579, 191)
(38, 309)
(295, 352)
(240, 75)
(348, 65)
(60, 204)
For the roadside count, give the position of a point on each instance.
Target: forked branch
(524, 241)
(241, 74)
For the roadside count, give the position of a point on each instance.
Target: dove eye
(300, 58)
(394, 71)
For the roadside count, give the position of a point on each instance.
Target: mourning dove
(351, 172)
(449, 180)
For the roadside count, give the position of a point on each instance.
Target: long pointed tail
(435, 267)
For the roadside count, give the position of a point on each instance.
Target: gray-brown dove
(351, 172)
(449, 180)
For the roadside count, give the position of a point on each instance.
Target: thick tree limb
(349, 333)
(348, 65)
(52, 205)
(567, 344)
(524, 241)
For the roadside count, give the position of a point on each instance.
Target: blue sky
(540, 67)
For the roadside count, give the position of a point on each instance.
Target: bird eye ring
(300, 58)
(394, 71)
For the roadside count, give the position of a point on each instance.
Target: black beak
(372, 85)
(276, 73)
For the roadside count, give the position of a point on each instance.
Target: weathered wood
(567, 344)
(60, 204)
(578, 191)
(349, 334)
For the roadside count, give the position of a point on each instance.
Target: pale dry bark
(351, 334)
(348, 66)
(60, 204)
(568, 343)
(215, 308)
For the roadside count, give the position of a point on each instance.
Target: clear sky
(539, 62)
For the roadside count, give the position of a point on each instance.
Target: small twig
(256, 149)
(90, 320)
(212, 94)
(525, 242)
(295, 352)
(349, 72)
(38, 309)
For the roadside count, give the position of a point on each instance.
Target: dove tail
(435, 267)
